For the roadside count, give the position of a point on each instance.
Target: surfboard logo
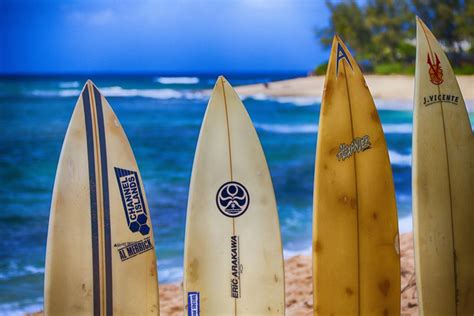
(232, 199)
(236, 266)
(435, 71)
(358, 144)
(129, 250)
(132, 200)
(438, 98)
(341, 55)
(193, 304)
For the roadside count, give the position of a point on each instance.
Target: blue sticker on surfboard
(341, 55)
(193, 304)
(132, 199)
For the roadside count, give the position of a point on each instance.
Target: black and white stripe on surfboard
(105, 194)
(89, 123)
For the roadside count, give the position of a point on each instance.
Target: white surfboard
(100, 257)
(233, 255)
(443, 185)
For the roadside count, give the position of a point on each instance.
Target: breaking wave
(177, 80)
(117, 91)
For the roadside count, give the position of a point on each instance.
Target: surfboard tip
(221, 79)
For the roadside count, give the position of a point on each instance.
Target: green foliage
(396, 68)
(347, 20)
(389, 22)
(321, 69)
(382, 32)
(464, 70)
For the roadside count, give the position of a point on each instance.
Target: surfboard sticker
(132, 249)
(193, 304)
(341, 55)
(232, 199)
(435, 71)
(358, 145)
(132, 199)
(236, 267)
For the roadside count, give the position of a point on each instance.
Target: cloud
(96, 18)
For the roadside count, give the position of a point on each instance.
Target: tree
(347, 20)
(383, 31)
(391, 25)
(465, 26)
(452, 22)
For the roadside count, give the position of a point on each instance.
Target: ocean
(162, 117)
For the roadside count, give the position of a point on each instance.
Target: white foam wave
(287, 128)
(34, 270)
(69, 84)
(287, 254)
(14, 271)
(299, 101)
(393, 105)
(117, 91)
(177, 80)
(397, 128)
(56, 93)
(161, 94)
(296, 100)
(17, 309)
(399, 159)
(69, 93)
(313, 128)
(405, 224)
(170, 275)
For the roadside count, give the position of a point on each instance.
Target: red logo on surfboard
(435, 71)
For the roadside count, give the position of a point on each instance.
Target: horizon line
(155, 73)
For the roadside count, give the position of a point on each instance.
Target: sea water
(161, 117)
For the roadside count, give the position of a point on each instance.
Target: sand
(393, 92)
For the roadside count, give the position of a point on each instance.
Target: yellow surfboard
(233, 263)
(356, 264)
(443, 185)
(100, 257)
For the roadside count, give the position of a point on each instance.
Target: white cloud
(96, 18)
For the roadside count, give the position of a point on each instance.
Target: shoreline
(298, 285)
(392, 92)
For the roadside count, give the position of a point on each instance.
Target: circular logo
(232, 199)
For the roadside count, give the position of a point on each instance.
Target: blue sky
(163, 36)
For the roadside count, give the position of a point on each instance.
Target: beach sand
(394, 91)
(298, 285)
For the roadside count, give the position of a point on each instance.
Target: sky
(162, 36)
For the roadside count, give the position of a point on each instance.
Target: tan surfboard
(443, 188)
(100, 257)
(233, 263)
(356, 264)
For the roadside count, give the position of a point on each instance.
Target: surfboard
(233, 262)
(356, 263)
(100, 257)
(443, 185)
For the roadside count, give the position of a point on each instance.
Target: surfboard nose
(88, 84)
